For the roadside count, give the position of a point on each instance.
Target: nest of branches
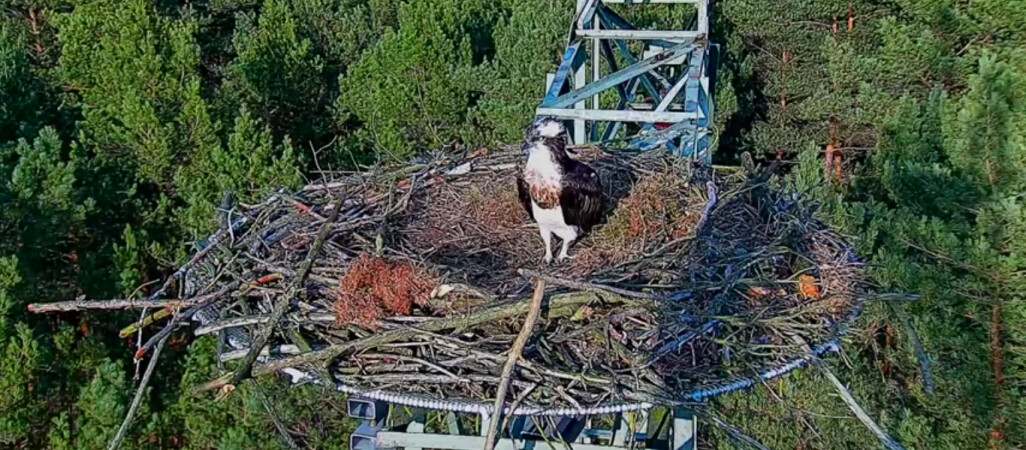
(416, 280)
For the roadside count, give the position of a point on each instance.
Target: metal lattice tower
(663, 100)
(669, 72)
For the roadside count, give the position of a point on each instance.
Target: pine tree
(250, 165)
(413, 90)
(139, 86)
(18, 92)
(529, 44)
(278, 72)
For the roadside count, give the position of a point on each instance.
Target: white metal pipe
(642, 35)
(606, 115)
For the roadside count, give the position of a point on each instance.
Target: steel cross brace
(680, 112)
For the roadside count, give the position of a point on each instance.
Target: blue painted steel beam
(693, 86)
(607, 53)
(623, 115)
(573, 58)
(672, 37)
(672, 94)
(646, 83)
(650, 137)
(623, 75)
(645, 2)
(626, 93)
(621, 45)
(588, 13)
(614, 127)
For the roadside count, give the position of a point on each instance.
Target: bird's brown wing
(581, 196)
(524, 195)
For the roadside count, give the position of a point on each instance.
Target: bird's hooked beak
(526, 147)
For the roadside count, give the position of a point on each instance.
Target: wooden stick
(924, 360)
(511, 361)
(735, 433)
(120, 436)
(560, 305)
(284, 301)
(253, 320)
(892, 296)
(82, 305)
(849, 400)
(145, 322)
(286, 438)
(585, 286)
(177, 320)
(707, 210)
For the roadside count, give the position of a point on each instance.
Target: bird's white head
(546, 133)
(547, 127)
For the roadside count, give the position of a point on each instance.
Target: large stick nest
(694, 278)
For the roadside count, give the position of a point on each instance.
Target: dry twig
(511, 361)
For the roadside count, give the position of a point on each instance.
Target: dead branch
(279, 307)
(849, 400)
(584, 286)
(137, 400)
(511, 361)
(924, 360)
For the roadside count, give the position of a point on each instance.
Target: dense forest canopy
(122, 123)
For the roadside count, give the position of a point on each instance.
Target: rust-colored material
(808, 288)
(372, 288)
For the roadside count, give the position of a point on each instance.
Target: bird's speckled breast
(544, 178)
(547, 197)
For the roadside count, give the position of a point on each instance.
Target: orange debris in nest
(374, 288)
(807, 285)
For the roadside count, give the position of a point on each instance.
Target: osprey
(562, 195)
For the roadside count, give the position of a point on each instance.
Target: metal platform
(678, 431)
(673, 108)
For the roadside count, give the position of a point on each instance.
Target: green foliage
(39, 207)
(242, 421)
(415, 87)
(251, 164)
(123, 123)
(102, 403)
(18, 95)
(21, 359)
(528, 44)
(138, 80)
(277, 71)
(341, 30)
